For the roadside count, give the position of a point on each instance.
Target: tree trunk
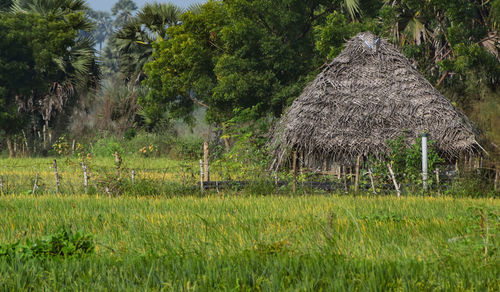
(9, 145)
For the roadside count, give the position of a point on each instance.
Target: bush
(63, 243)
(107, 147)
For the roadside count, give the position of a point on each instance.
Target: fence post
(201, 176)
(424, 160)
(35, 186)
(371, 180)
(56, 174)
(394, 179)
(1, 185)
(437, 181)
(85, 177)
(133, 176)
(497, 177)
(205, 159)
(356, 181)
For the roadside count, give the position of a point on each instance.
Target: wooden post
(206, 165)
(294, 164)
(201, 176)
(437, 181)
(73, 147)
(371, 180)
(356, 181)
(85, 177)
(497, 177)
(1, 185)
(394, 179)
(35, 185)
(118, 163)
(56, 174)
(339, 171)
(133, 176)
(276, 182)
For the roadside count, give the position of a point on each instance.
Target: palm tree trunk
(9, 145)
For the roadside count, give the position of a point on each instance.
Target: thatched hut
(368, 94)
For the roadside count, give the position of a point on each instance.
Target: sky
(107, 4)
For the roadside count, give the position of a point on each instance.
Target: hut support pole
(424, 161)
(294, 165)
(356, 182)
(394, 179)
(345, 178)
(437, 181)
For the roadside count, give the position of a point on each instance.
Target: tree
(122, 11)
(60, 59)
(103, 25)
(236, 54)
(134, 41)
(5, 5)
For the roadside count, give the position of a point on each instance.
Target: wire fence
(147, 176)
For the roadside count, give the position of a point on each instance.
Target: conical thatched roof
(368, 94)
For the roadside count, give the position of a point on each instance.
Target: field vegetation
(245, 242)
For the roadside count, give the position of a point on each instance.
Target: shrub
(63, 243)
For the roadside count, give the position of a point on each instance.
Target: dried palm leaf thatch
(368, 94)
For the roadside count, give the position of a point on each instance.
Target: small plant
(148, 151)
(61, 146)
(64, 243)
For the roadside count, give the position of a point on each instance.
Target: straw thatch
(368, 94)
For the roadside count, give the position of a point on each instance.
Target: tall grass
(228, 242)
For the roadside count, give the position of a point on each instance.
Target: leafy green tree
(236, 54)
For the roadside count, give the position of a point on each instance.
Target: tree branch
(198, 102)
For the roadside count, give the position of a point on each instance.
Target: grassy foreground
(259, 243)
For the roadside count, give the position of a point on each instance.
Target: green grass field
(253, 243)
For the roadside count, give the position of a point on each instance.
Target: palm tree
(103, 25)
(134, 41)
(123, 10)
(78, 69)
